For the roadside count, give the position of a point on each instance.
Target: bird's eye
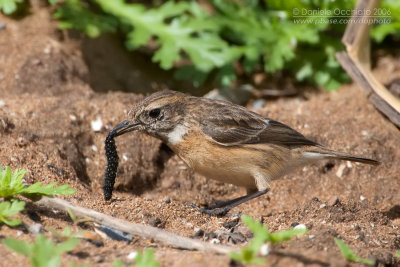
(154, 113)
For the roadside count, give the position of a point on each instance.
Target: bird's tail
(323, 153)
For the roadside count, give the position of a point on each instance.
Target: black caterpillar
(112, 165)
(112, 159)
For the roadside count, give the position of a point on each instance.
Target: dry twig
(356, 62)
(144, 231)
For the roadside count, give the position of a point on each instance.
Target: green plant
(8, 209)
(348, 254)
(43, 252)
(75, 219)
(11, 184)
(9, 6)
(398, 253)
(146, 259)
(261, 235)
(390, 9)
(205, 41)
(81, 18)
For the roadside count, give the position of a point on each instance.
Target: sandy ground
(47, 105)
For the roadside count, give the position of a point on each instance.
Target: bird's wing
(230, 127)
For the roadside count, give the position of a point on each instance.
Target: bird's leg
(225, 206)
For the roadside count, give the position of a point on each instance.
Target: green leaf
(286, 235)
(304, 72)
(398, 253)
(11, 184)
(8, 209)
(18, 246)
(146, 259)
(261, 235)
(43, 252)
(246, 256)
(9, 6)
(48, 190)
(138, 38)
(167, 54)
(348, 254)
(255, 36)
(76, 14)
(66, 246)
(226, 75)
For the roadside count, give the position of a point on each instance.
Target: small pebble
(47, 49)
(311, 236)
(215, 241)
(132, 255)
(125, 156)
(259, 103)
(349, 165)
(362, 198)
(300, 226)
(2, 26)
(35, 228)
(339, 172)
(72, 117)
(265, 249)
(97, 125)
(94, 148)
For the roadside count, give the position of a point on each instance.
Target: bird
(226, 142)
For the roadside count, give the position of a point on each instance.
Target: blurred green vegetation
(220, 40)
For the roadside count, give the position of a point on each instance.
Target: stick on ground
(144, 231)
(356, 61)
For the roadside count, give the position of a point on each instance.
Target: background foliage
(219, 40)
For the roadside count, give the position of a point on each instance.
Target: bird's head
(158, 115)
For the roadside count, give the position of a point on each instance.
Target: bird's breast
(233, 165)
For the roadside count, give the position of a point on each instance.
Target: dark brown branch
(356, 62)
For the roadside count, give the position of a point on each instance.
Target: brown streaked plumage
(227, 142)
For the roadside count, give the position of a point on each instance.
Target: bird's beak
(124, 127)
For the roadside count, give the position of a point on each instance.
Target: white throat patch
(175, 136)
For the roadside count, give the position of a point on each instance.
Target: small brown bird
(226, 142)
